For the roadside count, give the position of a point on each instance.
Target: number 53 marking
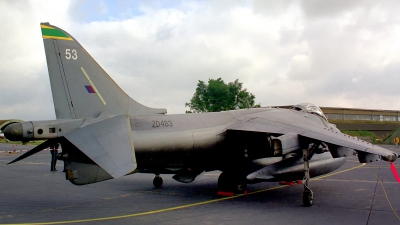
(71, 54)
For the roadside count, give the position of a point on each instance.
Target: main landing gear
(157, 181)
(308, 195)
(230, 184)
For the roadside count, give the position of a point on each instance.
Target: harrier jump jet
(105, 134)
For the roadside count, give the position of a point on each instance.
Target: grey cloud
(289, 36)
(22, 65)
(370, 84)
(331, 8)
(271, 8)
(75, 9)
(164, 32)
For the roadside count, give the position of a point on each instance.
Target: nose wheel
(157, 181)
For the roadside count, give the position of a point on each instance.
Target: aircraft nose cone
(13, 132)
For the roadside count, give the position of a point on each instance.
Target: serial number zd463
(162, 123)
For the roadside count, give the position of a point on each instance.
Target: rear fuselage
(176, 141)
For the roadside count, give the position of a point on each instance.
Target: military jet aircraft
(105, 134)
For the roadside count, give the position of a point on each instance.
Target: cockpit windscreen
(309, 108)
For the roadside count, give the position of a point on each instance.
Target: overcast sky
(335, 53)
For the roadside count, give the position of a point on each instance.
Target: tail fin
(80, 87)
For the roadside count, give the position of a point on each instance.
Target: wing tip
(391, 158)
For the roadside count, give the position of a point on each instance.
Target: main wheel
(157, 182)
(225, 182)
(230, 183)
(241, 187)
(308, 198)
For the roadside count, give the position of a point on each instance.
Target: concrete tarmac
(354, 194)
(5, 148)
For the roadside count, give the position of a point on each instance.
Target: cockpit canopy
(309, 108)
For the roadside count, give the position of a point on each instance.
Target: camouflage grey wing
(264, 125)
(316, 133)
(340, 139)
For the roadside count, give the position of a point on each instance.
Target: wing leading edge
(325, 135)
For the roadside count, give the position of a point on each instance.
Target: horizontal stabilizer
(108, 143)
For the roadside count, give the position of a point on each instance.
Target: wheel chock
(225, 193)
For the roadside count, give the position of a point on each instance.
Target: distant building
(336, 113)
(381, 122)
(333, 113)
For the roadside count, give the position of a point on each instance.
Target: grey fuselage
(199, 139)
(179, 140)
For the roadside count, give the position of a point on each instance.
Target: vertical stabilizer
(80, 87)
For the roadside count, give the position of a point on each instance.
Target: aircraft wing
(322, 134)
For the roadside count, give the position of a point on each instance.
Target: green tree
(218, 96)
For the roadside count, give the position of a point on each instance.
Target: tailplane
(80, 86)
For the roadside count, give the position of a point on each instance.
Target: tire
(225, 182)
(241, 187)
(229, 182)
(308, 198)
(157, 182)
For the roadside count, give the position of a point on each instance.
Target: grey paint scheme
(103, 141)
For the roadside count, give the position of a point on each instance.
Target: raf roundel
(90, 89)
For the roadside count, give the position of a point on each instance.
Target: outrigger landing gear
(308, 195)
(157, 181)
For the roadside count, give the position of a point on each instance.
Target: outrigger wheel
(308, 197)
(157, 181)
